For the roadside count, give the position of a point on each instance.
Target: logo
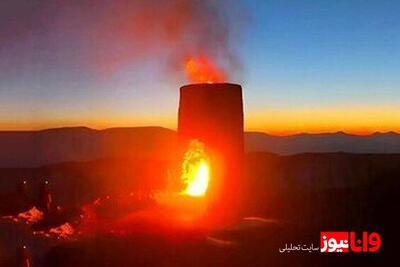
(341, 242)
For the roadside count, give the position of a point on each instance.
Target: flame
(203, 70)
(195, 170)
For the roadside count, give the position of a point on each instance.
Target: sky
(305, 66)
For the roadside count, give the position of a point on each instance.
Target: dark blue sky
(306, 66)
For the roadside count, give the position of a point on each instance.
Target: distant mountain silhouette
(38, 148)
(321, 143)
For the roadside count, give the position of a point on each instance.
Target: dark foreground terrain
(289, 200)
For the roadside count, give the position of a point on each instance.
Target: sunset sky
(305, 66)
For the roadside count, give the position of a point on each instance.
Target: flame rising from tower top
(203, 70)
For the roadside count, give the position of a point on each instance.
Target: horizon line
(172, 129)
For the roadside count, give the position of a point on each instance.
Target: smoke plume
(169, 31)
(108, 35)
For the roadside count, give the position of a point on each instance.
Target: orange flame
(203, 70)
(195, 170)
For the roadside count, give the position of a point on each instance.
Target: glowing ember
(63, 231)
(195, 170)
(31, 216)
(203, 70)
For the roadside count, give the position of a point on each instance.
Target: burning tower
(212, 113)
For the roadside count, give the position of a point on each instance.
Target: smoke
(109, 35)
(169, 32)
